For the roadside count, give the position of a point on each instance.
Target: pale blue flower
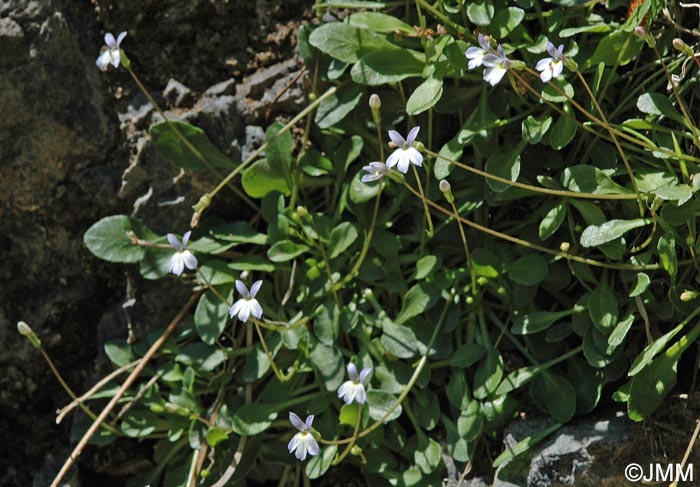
(183, 257)
(476, 54)
(303, 443)
(495, 66)
(112, 55)
(375, 171)
(551, 67)
(247, 305)
(405, 153)
(354, 389)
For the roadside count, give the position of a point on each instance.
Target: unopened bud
(482, 281)
(446, 190)
(25, 329)
(571, 65)
(356, 451)
(688, 295)
(564, 247)
(681, 46)
(644, 35)
(244, 275)
(419, 146)
(175, 409)
(375, 103)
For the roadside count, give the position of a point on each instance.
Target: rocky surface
(74, 147)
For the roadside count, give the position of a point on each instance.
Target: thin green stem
(529, 187)
(282, 377)
(428, 219)
(466, 247)
(353, 439)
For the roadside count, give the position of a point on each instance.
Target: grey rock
(570, 456)
(178, 95)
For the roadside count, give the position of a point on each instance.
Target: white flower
(354, 389)
(551, 67)
(304, 441)
(405, 152)
(112, 54)
(247, 305)
(183, 257)
(375, 171)
(476, 54)
(495, 64)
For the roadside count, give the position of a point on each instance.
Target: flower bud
(644, 35)
(688, 295)
(681, 46)
(482, 281)
(565, 247)
(447, 190)
(25, 330)
(375, 103)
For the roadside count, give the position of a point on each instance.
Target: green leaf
(602, 307)
(399, 340)
(361, 192)
(467, 355)
(119, 352)
(347, 43)
(425, 266)
(640, 285)
(380, 404)
(279, 148)
(528, 270)
(481, 13)
(388, 66)
(620, 332)
(215, 272)
(658, 104)
(595, 235)
(379, 22)
(417, 300)
(533, 129)
(523, 445)
(216, 436)
(427, 454)
(337, 106)
(649, 387)
(488, 374)
(563, 130)
(328, 363)
(590, 179)
(551, 93)
(667, 254)
(201, 356)
(505, 165)
(552, 220)
(253, 419)
(260, 179)
(425, 96)
(140, 422)
(251, 263)
(348, 414)
(615, 49)
(109, 239)
(342, 237)
(285, 250)
(555, 395)
(173, 149)
(319, 464)
(536, 321)
(505, 20)
(327, 324)
(210, 317)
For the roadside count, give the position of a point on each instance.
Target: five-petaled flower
(375, 170)
(476, 54)
(247, 305)
(354, 389)
(495, 66)
(112, 55)
(551, 67)
(183, 257)
(302, 443)
(405, 153)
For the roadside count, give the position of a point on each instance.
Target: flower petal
(483, 42)
(352, 371)
(186, 238)
(294, 442)
(110, 41)
(403, 163)
(236, 308)
(176, 264)
(114, 57)
(312, 446)
(414, 156)
(244, 312)
(543, 64)
(103, 60)
(174, 242)
(242, 289)
(393, 159)
(190, 260)
(365, 372)
(396, 138)
(361, 395)
(309, 421)
(296, 421)
(412, 135)
(557, 68)
(255, 309)
(121, 37)
(255, 288)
